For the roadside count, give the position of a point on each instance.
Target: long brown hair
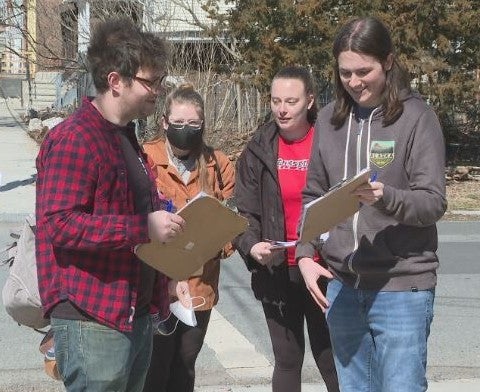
(185, 93)
(369, 36)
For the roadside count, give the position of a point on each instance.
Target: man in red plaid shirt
(96, 200)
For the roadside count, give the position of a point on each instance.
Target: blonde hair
(185, 93)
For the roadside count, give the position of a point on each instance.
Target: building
(53, 35)
(12, 47)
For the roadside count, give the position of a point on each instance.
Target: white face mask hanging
(185, 315)
(181, 313)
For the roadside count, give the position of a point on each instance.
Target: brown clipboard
(209, 226)
(321, 214)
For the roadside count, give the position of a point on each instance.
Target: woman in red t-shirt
(271, 174)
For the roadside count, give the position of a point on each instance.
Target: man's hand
(311, 272)
(261, 252)
(164, 226)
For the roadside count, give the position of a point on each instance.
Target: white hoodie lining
(345, 160)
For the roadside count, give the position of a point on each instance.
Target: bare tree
(201, 52)
(204, 55)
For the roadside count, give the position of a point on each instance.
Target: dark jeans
(172, 368)
(286, 329)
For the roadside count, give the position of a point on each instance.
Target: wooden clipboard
(321, 214)
(209, 227)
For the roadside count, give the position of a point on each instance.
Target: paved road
(237, 350)
(454, 345)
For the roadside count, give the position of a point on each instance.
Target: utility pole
(84, 81)
(83, 25)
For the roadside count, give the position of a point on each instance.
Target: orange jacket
(170, 184)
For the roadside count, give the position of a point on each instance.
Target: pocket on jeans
(94, 326)
(60, 338)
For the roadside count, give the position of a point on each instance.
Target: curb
(460, 385)
(464, 212)
(13, 217)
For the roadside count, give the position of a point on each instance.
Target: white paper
(282, 244)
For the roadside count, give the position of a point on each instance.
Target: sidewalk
(439, 386)
(17, 165)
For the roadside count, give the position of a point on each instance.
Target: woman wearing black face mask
(184, 136)
(185, 165)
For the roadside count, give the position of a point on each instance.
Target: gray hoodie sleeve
(425, 202)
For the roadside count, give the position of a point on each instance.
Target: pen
(374, 176)
(169, 207)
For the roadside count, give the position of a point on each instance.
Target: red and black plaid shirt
(86, 227)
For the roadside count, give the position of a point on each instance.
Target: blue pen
(169, 207)
(374, 176)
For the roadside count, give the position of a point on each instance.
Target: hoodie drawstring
(367, 150)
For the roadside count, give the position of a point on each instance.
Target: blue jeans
(379, 338)
(92, 357)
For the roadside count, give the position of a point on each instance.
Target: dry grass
(464, 196)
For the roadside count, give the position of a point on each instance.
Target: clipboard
(321, 214)
(209, 226)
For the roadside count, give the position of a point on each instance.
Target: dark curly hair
(119, 45)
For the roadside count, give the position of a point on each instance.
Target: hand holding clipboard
(339, 203)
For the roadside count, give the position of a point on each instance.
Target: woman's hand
(370, 192)
(180, 290)
(261, 252)
(311, 272)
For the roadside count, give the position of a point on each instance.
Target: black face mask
(186, 138)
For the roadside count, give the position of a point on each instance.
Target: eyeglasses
(180, 124)
(157, 84)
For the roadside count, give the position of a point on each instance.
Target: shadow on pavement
(15, 184)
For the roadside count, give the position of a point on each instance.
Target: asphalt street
(237, 350)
